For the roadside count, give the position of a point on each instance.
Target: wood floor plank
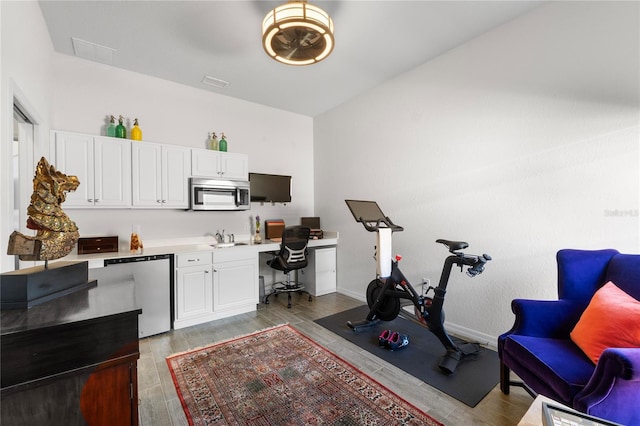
(176, 413)
(152, 408)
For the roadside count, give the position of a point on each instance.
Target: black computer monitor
(310, 222)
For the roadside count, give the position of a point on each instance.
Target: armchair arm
(545, 318)
(613, 391)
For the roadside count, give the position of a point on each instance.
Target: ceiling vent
(94, 52)
(215, 82)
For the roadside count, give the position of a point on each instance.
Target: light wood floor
(159, 403)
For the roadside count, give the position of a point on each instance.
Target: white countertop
(186, 245)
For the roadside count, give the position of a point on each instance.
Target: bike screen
(367, 211)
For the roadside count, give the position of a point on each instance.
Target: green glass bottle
(111, 129)
(223, 143)
(121, 131)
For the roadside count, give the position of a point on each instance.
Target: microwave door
(214, 198)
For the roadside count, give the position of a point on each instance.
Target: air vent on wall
(215, 82)
(92, 51)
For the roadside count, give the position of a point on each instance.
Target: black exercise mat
(474, 377)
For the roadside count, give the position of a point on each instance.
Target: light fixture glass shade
(297, 33)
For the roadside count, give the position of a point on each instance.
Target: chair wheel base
(288, 288)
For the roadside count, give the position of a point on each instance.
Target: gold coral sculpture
(56, 234)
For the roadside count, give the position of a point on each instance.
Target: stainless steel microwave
(214, 194)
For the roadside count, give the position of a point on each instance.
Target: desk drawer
(194, 259)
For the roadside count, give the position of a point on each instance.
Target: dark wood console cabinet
(72, 361)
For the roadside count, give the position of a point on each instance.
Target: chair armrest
(613, 391)
(545, 318)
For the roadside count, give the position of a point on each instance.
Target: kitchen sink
(224, 245)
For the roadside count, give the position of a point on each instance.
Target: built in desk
(72, 360)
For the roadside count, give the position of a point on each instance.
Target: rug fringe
(227, 340)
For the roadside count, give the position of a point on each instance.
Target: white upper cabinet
(160, 175)
(176, 165)
(121, 173)
(102, 165)
(219, 165)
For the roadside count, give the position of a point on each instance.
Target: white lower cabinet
(212, 285)
(320, 273)
(193, 289)
(235, 282)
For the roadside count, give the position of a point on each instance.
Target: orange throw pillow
(612, 320)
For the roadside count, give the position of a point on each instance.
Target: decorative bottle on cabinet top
(111, 128)
(121, 131)
(223, 143)
(136, 132)
(213, 142)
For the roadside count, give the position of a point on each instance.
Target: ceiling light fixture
(297, 33)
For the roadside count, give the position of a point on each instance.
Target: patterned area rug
(280, 377)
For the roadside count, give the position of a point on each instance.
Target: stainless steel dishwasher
(152, 276)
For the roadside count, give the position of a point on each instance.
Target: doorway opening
(23, 164)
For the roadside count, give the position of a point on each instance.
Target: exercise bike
(384, 293)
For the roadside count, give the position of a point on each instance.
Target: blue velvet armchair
(540, 351)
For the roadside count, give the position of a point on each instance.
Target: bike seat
(453, 245)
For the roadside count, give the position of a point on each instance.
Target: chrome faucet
(219, 236)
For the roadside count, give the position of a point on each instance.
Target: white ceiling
(182, 41)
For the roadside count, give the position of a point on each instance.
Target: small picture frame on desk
(556, 416)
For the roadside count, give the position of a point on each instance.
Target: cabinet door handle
(193, 260)
(163, 201)
(158, 201)
(206, 272)
(90, 200)
(97, 200)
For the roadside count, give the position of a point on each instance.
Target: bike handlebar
(375, 225)
(475, 262)
(478, 267)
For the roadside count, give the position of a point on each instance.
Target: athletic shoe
(397, 341)
(383, 339)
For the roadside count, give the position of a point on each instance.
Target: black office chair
(292, 256)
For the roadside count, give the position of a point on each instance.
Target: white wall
(86, 93)
(72, 94)
(521, 142)
(26, 74)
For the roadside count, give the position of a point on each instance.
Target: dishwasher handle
(135, 259)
